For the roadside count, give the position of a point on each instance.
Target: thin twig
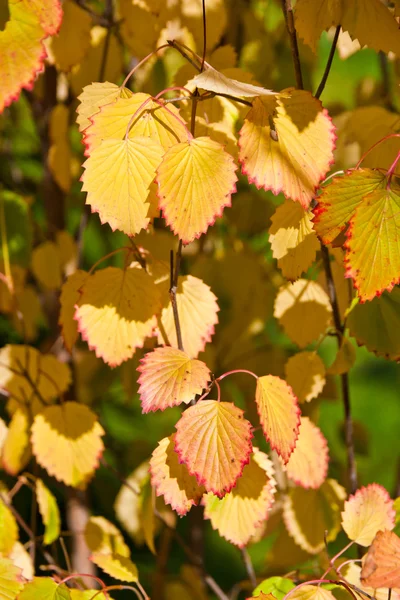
(249, 567)
(329, 63)
(289, 18)
(174, 277)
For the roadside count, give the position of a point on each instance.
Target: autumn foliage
(195, 245)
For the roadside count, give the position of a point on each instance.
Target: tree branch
(329, 63)
(289, 18)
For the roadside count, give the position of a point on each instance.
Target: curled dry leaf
(215, 81)
(381, 566)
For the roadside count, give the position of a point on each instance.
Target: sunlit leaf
(102, 537)
(368, 21)
(279, 414)
(93, 97)
(294, 156)
(195, 182)
(68, 299)
(308, 464)
(46, 265)
(214, 441)
(69, 47)
(16, 449)
(215, 81)
(172, 480)
(376, 323)
(128, 502)
(169, 377)
(8, 529)
(312, 592)
(277, 586)
(50, 14)
(66, 441)
(372, 252)
(44, 588)
(308, 514)
(116, 312)
(11, 582)
(49, 511)
(161, 124)
(197, 308)
(119, 567)
(293, 241)
(121, 200)
(32, 378)
(303, 310)
(305, 373)
(239, 514)
(366, 512)
(21, 558)
(340, 198)
(381, 567)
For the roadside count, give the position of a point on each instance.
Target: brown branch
(174, 277)
(329, 63)
(249, 567)
(289, 18)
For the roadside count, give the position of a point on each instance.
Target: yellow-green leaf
(8, 528)
(66, 441)
(195, 182)
(214, 441)
(16, 450)
(44, 588)
(49, 511)
(11, 582)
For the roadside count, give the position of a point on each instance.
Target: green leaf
(18, 227)
(44, 588)
(277, 586)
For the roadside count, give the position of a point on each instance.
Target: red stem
(387, 137)
(146, 58)
(221, 377)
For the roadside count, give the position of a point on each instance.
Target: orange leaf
(66, 441)
(366, 512)
(117, 177)
(381, 566)
(197, 308)
(279, 414)
(308, 464)
(294, 156)
(239, 514)
(172, 480)
(214, 441)
(195, 183)
(169, 377)
(116, 312)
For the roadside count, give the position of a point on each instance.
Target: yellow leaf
(93, 97)
(21, 46)
(169, 377)
(366, 512)
(214, 441)
(308, 514)
(50, 14)
(117, 177)
(8, 529)
(102, 537)
(293, 240)
(59, 156)
(195, 182)
(46, 589)
(215, 81)
(376, 323)
(294, 156)
(312, 592)
(31, 378)
(372, 248)
(279, 413)
(117, 566)
(49, 511)
(239, 514)
(198, 308)
(46, 265)
(305, 373)
(68, 249)
(162, 124)
(7, 301)
(68, 299)
(29, 306)
(303, 310)
(140, 26)
(88, 70)
(216, 16)
(308, 463)
(21, 559)
(344, 359)
(16, 451)
(369, 21)
(128, 503)
(66, 441)
(11, 582)
(172, 479)
(116, 312)
(69, 47)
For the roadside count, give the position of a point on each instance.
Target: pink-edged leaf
(213, 439)
(308, 464)
(286, 144)
(195, 182)
(366, 512)
(279, 413)
(169, 377)
(172, 479)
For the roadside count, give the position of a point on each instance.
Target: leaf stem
(221, 377)
(289, 18)
(329, 63)
(364, 156)
(391, 171)
(249, 567)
